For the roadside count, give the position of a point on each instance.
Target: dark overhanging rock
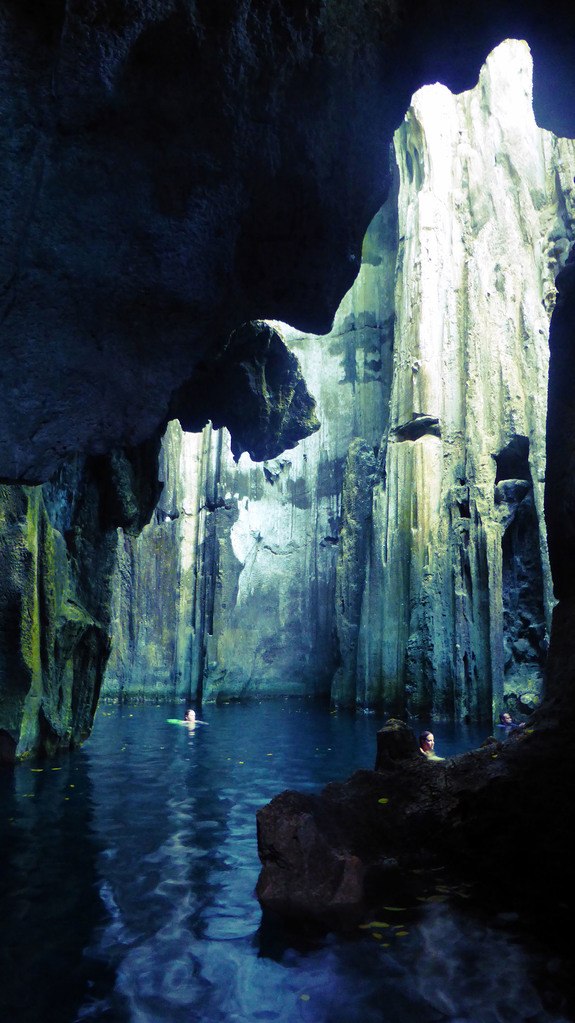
(256, 389)
(173, 170)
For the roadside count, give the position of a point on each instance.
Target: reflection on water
(49, 903)
(129, 877)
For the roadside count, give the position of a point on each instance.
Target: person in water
(427, 746)
(508, 724)
(190, 717)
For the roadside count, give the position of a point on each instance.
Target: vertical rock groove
(398, 557)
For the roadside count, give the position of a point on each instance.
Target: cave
(367, 512)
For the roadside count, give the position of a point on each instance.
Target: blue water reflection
(160, 830)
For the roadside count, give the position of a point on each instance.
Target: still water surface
(127, 878)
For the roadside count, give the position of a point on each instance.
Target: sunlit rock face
(459, 596)
(230, 591)
(397, 557)
(158, 599)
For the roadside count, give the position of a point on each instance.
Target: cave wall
(57, 559)
(486, 208)
(137, 236)
(243, 555)
(173, 169)
(158, 597)
(397, 557)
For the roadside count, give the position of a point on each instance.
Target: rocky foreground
(497, 817)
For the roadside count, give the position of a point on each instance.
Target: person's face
(507, 718)
(429, 743)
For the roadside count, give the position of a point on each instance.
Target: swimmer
(427, 746)
(506, 722)
(190, 717)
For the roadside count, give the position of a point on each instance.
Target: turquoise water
(127, 878)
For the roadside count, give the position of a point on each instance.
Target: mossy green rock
(57, 554)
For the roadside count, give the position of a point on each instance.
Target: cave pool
(127, 872)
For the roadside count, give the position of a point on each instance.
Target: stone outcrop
(397, 557)
(57, 557)
(258, 393)
(381, 835)
(459, 617)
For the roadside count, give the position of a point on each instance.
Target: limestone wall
(462, 585)
(398, 556)
(229, 591)
(57, 559)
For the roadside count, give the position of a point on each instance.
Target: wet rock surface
(57, 554)
(389, 829)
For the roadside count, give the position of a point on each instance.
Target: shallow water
(127, 878)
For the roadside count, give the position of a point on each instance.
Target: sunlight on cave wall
(409, 571)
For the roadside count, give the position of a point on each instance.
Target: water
(127, 878)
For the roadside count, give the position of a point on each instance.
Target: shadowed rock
(256, 389)
(172, 170)
(467, 814)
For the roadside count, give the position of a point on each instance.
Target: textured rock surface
(57, 556)
(158, 597)
(462, 595)
(358, 481)
(431, 594)
(388, 828)
(172, 170)
(260, 394)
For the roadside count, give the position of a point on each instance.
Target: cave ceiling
(172, 169)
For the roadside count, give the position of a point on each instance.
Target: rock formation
(377, 838)
(172, 172)
(258, 543)
(57, 556)
(397, 557)
(459, 566)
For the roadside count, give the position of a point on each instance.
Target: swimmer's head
(190, 715)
